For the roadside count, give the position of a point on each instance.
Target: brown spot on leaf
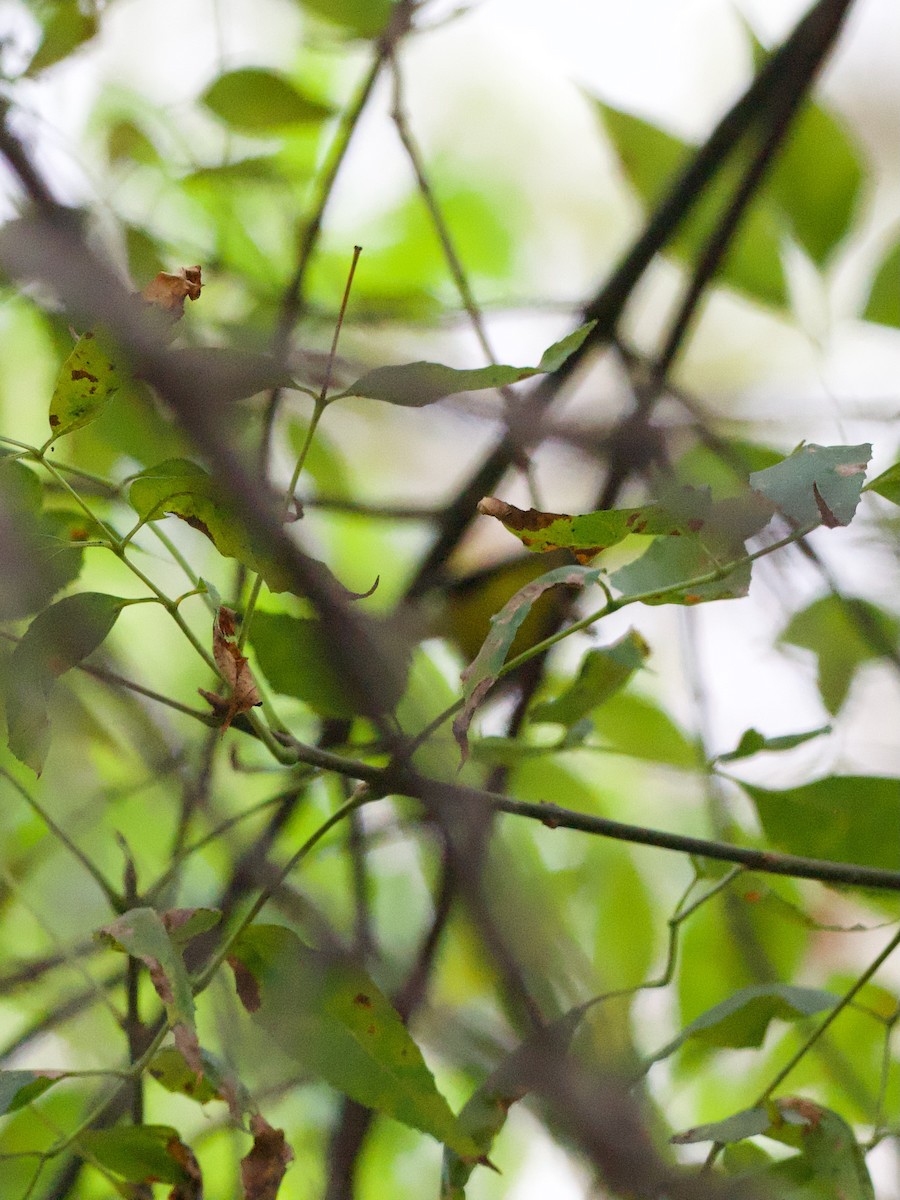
(195, 523)
(809, 1111)
(78, 373)
(848, 469)
(518, 518)
(246, 983)
(54, 420)
(263, 1168)
(829, 520)
(362, 1000)
(695, 524)
(186, 1042)
(190, 1188)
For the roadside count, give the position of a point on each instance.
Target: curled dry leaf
(190, 1188)
(235, 671)
(169, 291)
(263, 1168)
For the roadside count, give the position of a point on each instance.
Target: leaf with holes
(414, 385)
(481, 674)
(831, 1163)
(57, 639)
(87, 381)
(142, 933)
(328, 1015)
(816, 484)
(682, 571)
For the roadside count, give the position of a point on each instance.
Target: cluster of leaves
(114, 507)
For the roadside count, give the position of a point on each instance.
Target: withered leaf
(190, 1188)
(235, 671)
(169, 291)
(263, 1168)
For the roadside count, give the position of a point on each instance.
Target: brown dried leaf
(192, 1187)
(235, 670)
(262, 1170)
(169, 291)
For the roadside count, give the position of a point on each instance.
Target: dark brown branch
(794, 64)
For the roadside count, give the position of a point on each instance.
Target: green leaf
(56, 640)
(328, 1015)
(87, 381)
(48, 544)
(172, 1071)
(749, 1123)
(650, 158)
(365, 18)
(883, 304)
(843, 818)
(635, 726)
(18, 1088)
(181, 488)
(139, 1153)
(843, 632)
(554, 356)
(816, 484)
(414, 385)
(258, 101)
(126, 142)
(887, 484)
(484, 1113)
(816, 181)
(602, 673)
(670, 571)
(743, 1019)
(293, 655)
(831, 1165)
(684, 512)
(481, 674)
(65, 29)
(753, 742)
(141, 933)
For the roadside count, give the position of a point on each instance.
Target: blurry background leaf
(255, 100)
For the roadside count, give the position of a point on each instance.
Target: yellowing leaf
(328, 1016)
(86, 381)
